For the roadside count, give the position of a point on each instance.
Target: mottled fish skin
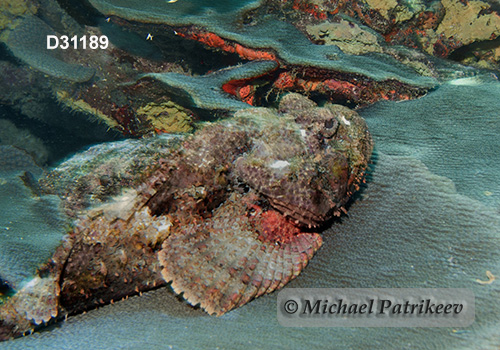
(300, 170)
(237, 265)
(225, 215)
(240, 197)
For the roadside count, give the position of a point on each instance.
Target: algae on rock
(167, 117)
(348, 36)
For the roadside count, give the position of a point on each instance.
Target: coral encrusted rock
(207, 91)
(225, 215)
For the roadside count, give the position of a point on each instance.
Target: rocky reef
(226, 215)
(343, 52)
(465, 31)
(212, 42)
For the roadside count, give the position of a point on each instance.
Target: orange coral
(213, 40)
(247, 94)
(241, 89)
(312, 9)
(285, 80)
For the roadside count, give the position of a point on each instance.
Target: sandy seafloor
(429, 216)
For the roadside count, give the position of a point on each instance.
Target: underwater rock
(12, 10)
(24, 90)
(207, 216)
(208, 91)
(348, 36)
(447, 28)
(268, 32)
(168, 117)
(326, 70)
(110, 99)
(230, 34)
(27, 41)
(180, 12)
(23, 139)
(81, 106)
(470, 22)
(293, 48)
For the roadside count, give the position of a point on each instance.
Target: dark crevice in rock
(61, 141)
(468, 51)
